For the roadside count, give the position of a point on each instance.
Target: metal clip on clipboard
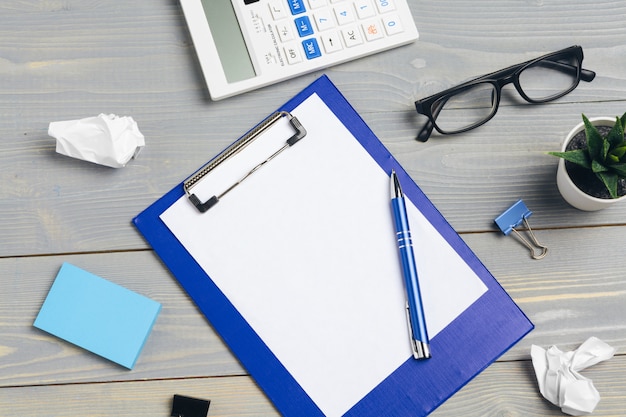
(514, 216)
(233, 150)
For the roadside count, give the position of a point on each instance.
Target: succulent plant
(604, 155)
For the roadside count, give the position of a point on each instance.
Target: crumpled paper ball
(559, 379)
(105, 139)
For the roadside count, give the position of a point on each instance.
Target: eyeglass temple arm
(585, 74)
(428, 127)
(425, 132)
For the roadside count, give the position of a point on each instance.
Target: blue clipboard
(476, 338)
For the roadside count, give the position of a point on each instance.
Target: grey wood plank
(505, 388)
(510, 389)
(575, 292)
(58, 205)
(229, 396)
(568, 298)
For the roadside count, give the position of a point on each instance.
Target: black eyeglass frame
(427, 106)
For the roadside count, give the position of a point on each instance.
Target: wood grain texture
(229, 396)
(68, 59)
(503, 389)
(510, 389)
(567, 297)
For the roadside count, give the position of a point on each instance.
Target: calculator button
(372, 30)
(385, 6)
(392, 24)
(316, 4)
(304, 26)
(278, 9)
(297, 6)
(344, 14)
(364, 9)
(292, 52)
(285, 31)
(352, 36)
(311, 48)
(324, 20)
(331, 42)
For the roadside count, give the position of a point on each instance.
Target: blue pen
(414, 309)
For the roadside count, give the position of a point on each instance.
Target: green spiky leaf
(610, 182)
(577, 156)
(595, 141)
(618, 152)
(596, 167)
(616, 135)
(619, 169)
(606, 147)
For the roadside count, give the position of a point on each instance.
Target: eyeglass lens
(541, 81)
(467, 108)
(550, 78)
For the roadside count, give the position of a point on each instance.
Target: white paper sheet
(305, 250)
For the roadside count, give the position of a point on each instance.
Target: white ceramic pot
(570, 192)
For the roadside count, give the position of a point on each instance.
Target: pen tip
(396, 190)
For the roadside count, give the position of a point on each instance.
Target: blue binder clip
(514, 216)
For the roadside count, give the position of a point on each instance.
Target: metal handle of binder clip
(537, 246)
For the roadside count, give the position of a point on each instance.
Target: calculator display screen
(228, 39)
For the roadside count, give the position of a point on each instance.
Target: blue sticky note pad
(98, 315)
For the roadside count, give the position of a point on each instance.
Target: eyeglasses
(475, 102)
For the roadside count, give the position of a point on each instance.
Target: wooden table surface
(69, 59)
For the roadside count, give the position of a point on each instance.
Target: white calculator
(247, 44)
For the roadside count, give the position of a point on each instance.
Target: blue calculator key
(311, 48)
(296, 6)
(304, 26)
